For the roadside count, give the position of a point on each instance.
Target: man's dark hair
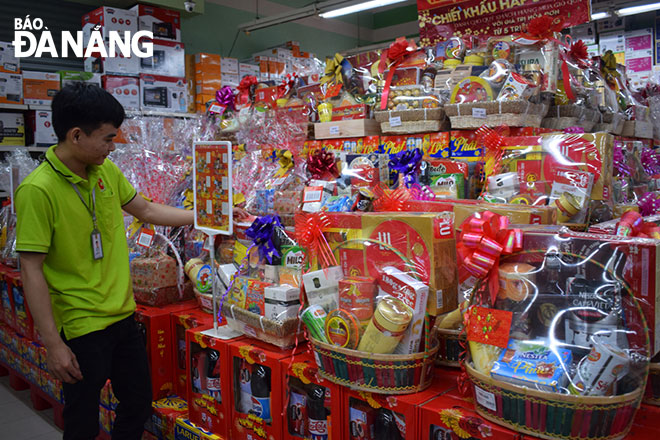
(86, 106)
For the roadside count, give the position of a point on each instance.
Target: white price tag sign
(479, 113)
(334, 130)
(485, 398)
(395, 121)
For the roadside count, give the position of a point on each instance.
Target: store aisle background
(18, 421)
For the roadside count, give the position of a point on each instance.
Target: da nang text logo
(119, 44)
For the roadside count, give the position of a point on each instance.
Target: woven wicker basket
(415, 127)
(611, 123)
(376, 373)
(282, 334)
(560, 417)
(639, 129)
(451, 344)
(652, 396)
(423, 114)
(513, 113)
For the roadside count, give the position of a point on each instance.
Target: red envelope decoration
(488, 326)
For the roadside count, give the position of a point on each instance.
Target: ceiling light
(359, 7)
(600, 15)
(637, 9)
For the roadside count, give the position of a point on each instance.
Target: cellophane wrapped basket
(652, 396)
(558, 346)
(367, 322)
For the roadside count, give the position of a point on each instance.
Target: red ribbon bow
(483, 239)
(388, 200)
(395, 55)
(544, 27)
(632, 224)
(309, 234)
(246, 89)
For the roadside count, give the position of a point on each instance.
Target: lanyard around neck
(92, 209)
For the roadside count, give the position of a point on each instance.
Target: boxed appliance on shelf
(69, 77)
(163, 93)
(12, 129)
(11, 88)
(109, 19)
(125, 89)
(8, 61)
(168, 59)
(164, 23)
(39, 88)
(40, 123)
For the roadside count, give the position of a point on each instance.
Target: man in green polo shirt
(74, 263)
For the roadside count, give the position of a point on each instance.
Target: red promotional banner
(441, 19)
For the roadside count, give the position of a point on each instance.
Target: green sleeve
(34, 219)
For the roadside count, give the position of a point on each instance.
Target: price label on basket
(146, 237)
(479, 113)
(395, 121)
(212, 176)
(334, 130)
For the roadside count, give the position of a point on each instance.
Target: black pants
(116, 353)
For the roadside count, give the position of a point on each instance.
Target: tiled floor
(18, 421)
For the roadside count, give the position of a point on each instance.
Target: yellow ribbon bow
(285, 159)
(188, 201)
(609, 66)
(333, 70)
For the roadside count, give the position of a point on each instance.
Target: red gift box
(23, 322)
(405, 408)
(209, 395)
(301, 378)
(182, 321)
(257, 407)
(449, 418)
(155, 325)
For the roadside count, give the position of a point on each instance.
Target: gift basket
(557, 341)
(512, 89)
(409, 101)
(262, 296)
(576, 98)
(369, 288)
(451, 338)
(572, 172)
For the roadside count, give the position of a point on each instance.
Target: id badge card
(97, 245)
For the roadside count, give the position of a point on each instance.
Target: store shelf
(31, 148)
(13, 106)
(40, 107)
(4, 194)
(160, 113)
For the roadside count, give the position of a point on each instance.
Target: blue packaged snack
(533, 364)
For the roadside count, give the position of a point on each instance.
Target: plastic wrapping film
(17, 158)
(372, 271)
(557, 316)
(262, 284)
(568, 171)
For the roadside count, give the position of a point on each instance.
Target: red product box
(166, 93)
(164, 23)
(449, 418)
(257, 389)
(313, 404)
(266, 96)
(209, 385)
(361, 410)
(182, 321)
(155, 325)
(165, 413)
(23, 322)
(6, 300)
(125, 89)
